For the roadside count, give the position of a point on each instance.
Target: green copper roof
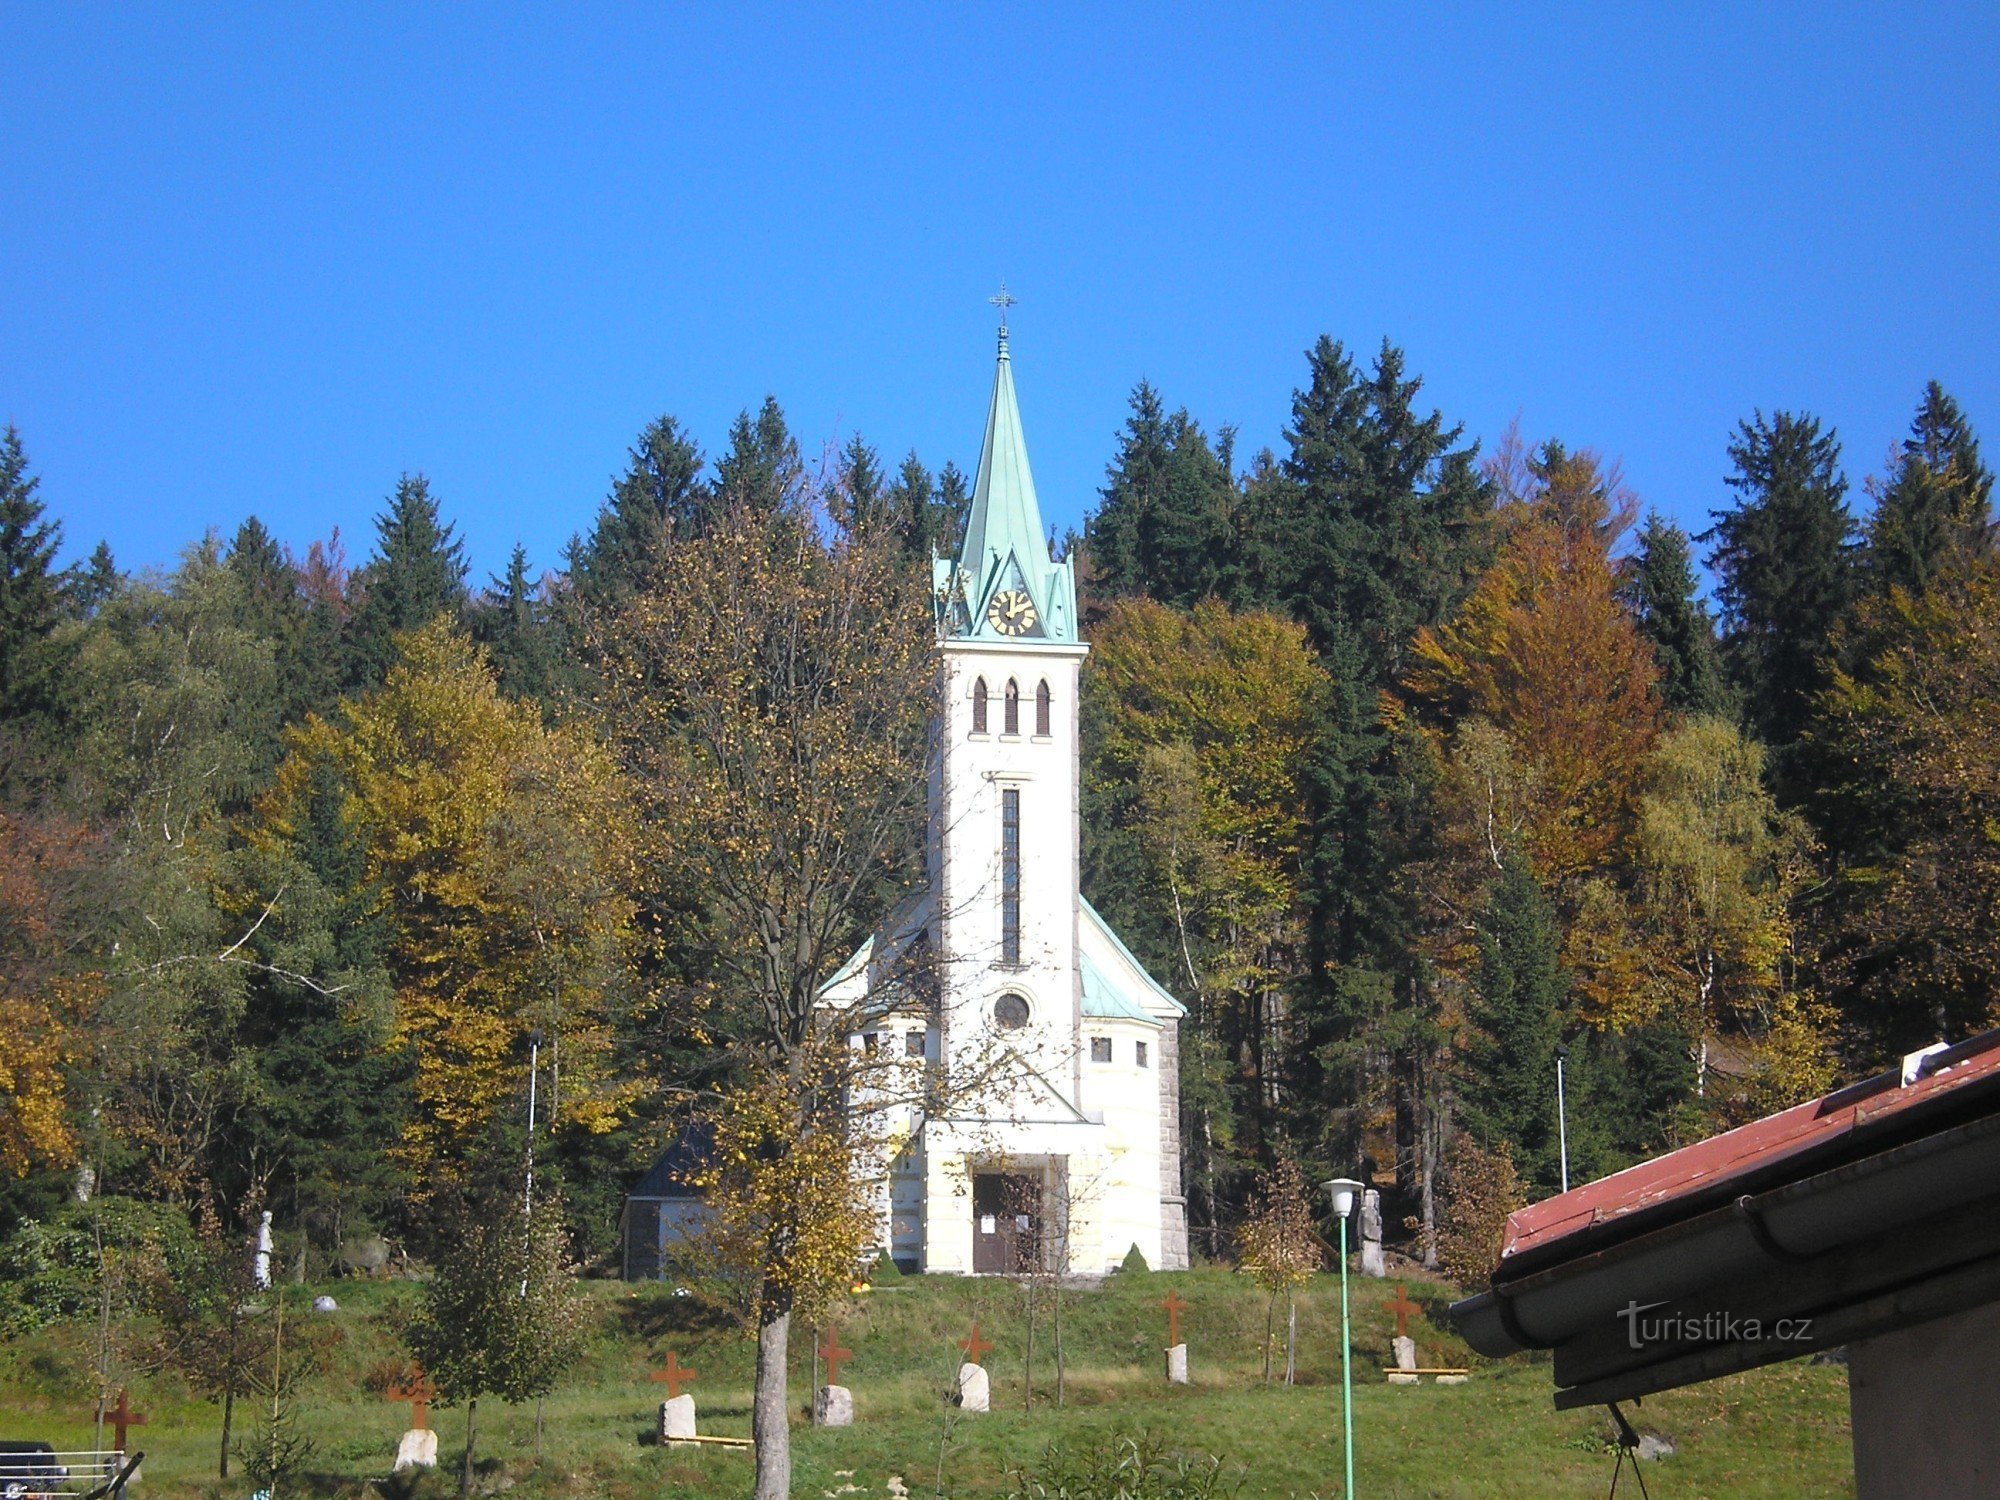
(1004, 545)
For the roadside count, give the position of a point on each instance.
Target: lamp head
(1345, 1193)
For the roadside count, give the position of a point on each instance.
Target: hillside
(1779, 1432)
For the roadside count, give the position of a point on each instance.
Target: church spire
(1004, 546)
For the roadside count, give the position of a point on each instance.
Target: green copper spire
(1005, 548)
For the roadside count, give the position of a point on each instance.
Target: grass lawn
(1775, 1432)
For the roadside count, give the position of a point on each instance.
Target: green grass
(1775, 1432)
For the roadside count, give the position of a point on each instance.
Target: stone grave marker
(418, 1448)
(1177, 1354)
(677, 1411)
(833, 1403)
(1405, 1372)
(974, 1387)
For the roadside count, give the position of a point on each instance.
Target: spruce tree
(954, 499)
(521, 634)
(1783, 557)
(659, 497)
(31, 588)
(863, 492)
(1510, 1089)
(1936, 510)
(762, 469)
(91, 585)
(913, 508)
(417, 574)
(1660, 589)
(1165, 527)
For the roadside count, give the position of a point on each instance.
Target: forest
(1410, 767)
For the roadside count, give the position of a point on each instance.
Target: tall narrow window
(979, 706)
(1042, 709)
(1012, 723)
(1010, 874)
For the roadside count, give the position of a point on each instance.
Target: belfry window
(1042, 709)
(1012, 723)
(1010, 873)
(979, 706)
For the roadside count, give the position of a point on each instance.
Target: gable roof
(1123, 985)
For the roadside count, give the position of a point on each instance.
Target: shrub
(1130, 1469)
(1134, 1261)
(1478, 1189)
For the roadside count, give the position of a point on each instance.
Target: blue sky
(266, 260)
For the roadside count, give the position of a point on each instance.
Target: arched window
(1042, 708)
(1010, 1013)
(979, 706)
(1012, 723)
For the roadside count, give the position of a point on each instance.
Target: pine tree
(1660, 590)
(659, 497)
(31, 588)
(1936, 510)
(762, 469)
(1784, 562)
(418, 573)
(1510, 1089)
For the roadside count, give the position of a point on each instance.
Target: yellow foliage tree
(497, 852)
(42, 996)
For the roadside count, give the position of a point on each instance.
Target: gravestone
(833, 1406)
(1405, 1372)
(974, 1390)
(1371, 1234)
(677, 1419)
(418, 1449)
(833, 1403)
(1177, 1354)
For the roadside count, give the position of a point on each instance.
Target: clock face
(1012, 612)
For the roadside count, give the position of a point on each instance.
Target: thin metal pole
(528, 1192)
(1346, 1365)
(1562, 1120)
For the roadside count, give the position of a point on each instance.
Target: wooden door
(1006, 1223)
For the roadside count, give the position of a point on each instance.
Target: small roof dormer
(1004, 586)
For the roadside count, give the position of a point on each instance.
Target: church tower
(1004, 795)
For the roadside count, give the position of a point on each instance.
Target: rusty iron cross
(1402, 1307)
(675, 1375)
(834, 1355)
(1175, 1307)
(417, 1390)
(973, 1345)
(122, 1416)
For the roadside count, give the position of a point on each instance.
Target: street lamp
(1562, 1115)
(1345, 1193)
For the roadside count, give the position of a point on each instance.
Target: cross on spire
(1003, 299)
(973, 1345)
(675, 1375)
(1402, 1307)
(834, 1355)
(417, 1390)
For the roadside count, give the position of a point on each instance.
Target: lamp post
(1562, 1115)
(1345, 1193)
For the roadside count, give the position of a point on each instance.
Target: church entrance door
(1006, 1223)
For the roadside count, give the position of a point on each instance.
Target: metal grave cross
(834, 1355)
(122, 1416)
(1402, 1307)
(675, 1375)
(417, 1390)
(1175, 1307)
(974, 1345)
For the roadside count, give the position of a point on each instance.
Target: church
(1056, 1144)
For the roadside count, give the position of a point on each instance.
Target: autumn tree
(493, 850)
(1200, 732)
(47, 989)
(768, 696)
(1279, 1247)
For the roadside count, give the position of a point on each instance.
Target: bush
(1134, 1261)
(1131, 1469)
(49, 1267)
(1478, 1189)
